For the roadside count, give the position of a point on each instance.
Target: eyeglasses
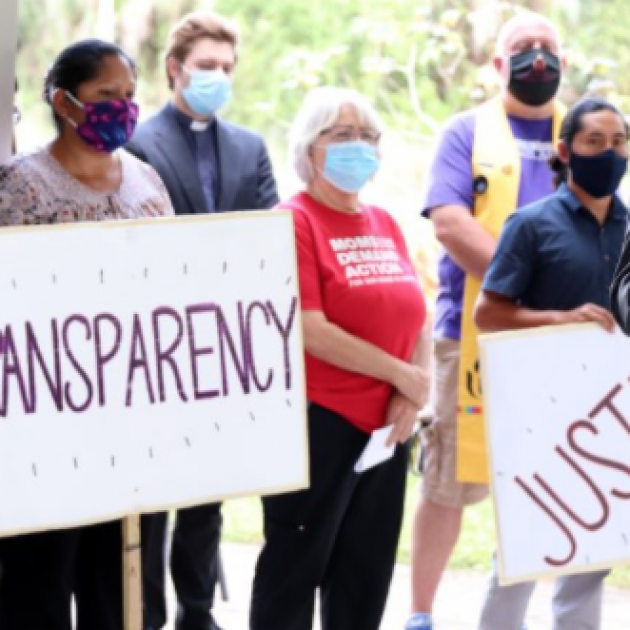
(17, 115)
(350, 134)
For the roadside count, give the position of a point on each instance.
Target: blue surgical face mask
(207, 91)
(598, 175)
(348, 166)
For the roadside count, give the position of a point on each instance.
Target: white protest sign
(146, 365)
(558, 426)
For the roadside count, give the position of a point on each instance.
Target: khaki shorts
(439, 439)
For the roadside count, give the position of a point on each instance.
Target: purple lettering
(561, 526)
(34, 353)
(607, 403)
(596, 459)
(196, 352)
(240, 365)
(285, 331)
(599, 495)
(103, 357)
(138, 362)
(165, 356)
(13, 368)
(79, 319)
(254, 373)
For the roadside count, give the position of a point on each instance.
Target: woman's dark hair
(573, 124)
(77, 64)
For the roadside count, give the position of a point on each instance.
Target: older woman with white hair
(363, 314)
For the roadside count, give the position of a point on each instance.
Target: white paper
(376, 450)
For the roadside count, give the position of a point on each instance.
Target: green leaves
(420, 64)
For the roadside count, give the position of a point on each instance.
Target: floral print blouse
(36, 189)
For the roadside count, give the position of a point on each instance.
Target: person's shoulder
(136, 170)
(306, 218)
(132, 164)
(462, 123)
(147, 128)
(457, 135)
(620, 207)
(537, 213)
(25, 180)
(239, 132)
(143, 181)
(300, 203)
(383, 217)
(15, 166)
(24, 165)
(378, 212)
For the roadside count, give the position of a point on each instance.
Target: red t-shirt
(355, 268)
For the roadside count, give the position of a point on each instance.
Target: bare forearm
(330, 343)
(495, 315)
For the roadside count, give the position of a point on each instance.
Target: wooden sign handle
(132, 573)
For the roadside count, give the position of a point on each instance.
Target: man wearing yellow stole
(489, 162)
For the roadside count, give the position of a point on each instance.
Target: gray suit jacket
(245, 176)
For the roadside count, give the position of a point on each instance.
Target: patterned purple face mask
(108, 125)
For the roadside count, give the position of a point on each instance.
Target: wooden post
(132, 573)
(8, 46)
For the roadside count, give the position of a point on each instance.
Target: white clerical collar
(199, 125)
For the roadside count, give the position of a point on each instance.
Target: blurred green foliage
(419, 60)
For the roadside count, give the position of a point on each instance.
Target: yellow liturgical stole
(497, 174)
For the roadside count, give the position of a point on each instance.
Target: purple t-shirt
(451, 183)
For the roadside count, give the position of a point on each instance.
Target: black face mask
(529, 86)
(598, 175)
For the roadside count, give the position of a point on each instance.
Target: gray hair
(319, 111)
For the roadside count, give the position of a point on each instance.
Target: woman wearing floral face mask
(81, 175)
(363, 315)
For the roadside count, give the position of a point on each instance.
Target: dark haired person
(207, 165)
(80, 176)
(554, 264)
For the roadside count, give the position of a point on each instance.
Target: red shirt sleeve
(308, 266)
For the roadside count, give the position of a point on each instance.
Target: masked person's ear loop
(108, 125)
(72, 100)
(51, 97)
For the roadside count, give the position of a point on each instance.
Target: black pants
(194, 566)
(340, 536)
(42, 571)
